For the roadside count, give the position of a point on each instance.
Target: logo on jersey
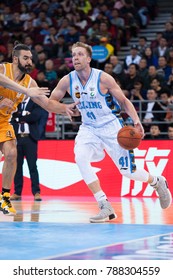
(92, 92)
(77, 94)
(9, 134)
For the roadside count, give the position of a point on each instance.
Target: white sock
(154, 181)
(100, 196)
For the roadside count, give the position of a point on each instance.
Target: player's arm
(8, 83)
(114, 89)
(5, 102)
(52, 104)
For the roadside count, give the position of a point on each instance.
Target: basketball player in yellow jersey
(19, 83)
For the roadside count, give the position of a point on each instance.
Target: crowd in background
(51, 27)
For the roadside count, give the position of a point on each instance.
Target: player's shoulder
(65, 78)
(106, 77)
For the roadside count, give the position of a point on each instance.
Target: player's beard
(24, 69)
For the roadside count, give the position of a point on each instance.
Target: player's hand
(5, 102)
(140, 129)
(36, 91)
(71, 110)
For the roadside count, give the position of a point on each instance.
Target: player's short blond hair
(87, 47)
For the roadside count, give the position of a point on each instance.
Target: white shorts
(93, 142)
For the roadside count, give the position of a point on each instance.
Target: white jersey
(96, 108)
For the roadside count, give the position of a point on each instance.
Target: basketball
(129, 137)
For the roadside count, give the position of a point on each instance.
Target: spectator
(155, 133)
(169, 114)
(120, 29)
(170, 82)
(170, 131)
(143, 72)
(150, 57)
(108, 68)
(63, 28)
(83, 38)
(51, 38)
(131, 77)
(162, 49)
(28, 40)
(60, 49)
(34, 71)
(152, 111)
(50, 73)
(73, 35)
(80, 20)
(155, 43)
(152, 74)
(164, 68)
(92, 32)
(142, 45)
(24, 12)
(117, 66)
(155, 84)
(42, 16)
(42, 57)
(170, 57)
(132, 19)
(133, 57)
(137, 94)
(84, 5)
(168, 32)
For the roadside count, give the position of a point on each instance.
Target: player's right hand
(71, 110)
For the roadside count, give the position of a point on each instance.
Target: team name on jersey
(90, 105)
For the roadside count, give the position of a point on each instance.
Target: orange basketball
(129, 137)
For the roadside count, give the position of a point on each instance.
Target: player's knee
(79, 156)
(10, 155)
(126, 173)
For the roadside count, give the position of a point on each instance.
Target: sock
(100, 195)
(154, 181)
(5, 190)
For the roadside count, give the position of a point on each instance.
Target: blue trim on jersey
(70, 76)
(90, 76)
(98, 84)
(132, 161)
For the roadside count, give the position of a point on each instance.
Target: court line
(102, 247)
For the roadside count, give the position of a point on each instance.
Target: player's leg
(8, 149)
(125, 161)
(88, 148)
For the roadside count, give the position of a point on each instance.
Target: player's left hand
(140, 129)
(36, 91)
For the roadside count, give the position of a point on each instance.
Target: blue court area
(60, 230)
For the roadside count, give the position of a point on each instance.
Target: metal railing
(65, 129)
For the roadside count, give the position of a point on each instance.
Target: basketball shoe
(5, 205)
(161, 188)
(106, 213)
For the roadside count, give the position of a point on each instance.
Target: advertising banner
(60, 176)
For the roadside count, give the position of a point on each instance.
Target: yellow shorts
(6, 132)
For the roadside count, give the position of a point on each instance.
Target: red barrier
(51, 123)
(59, 175)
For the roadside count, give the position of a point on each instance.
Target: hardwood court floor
(59, 228)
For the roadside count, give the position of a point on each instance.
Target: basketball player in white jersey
(100, 101)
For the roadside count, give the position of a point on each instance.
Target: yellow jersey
(6, 129)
